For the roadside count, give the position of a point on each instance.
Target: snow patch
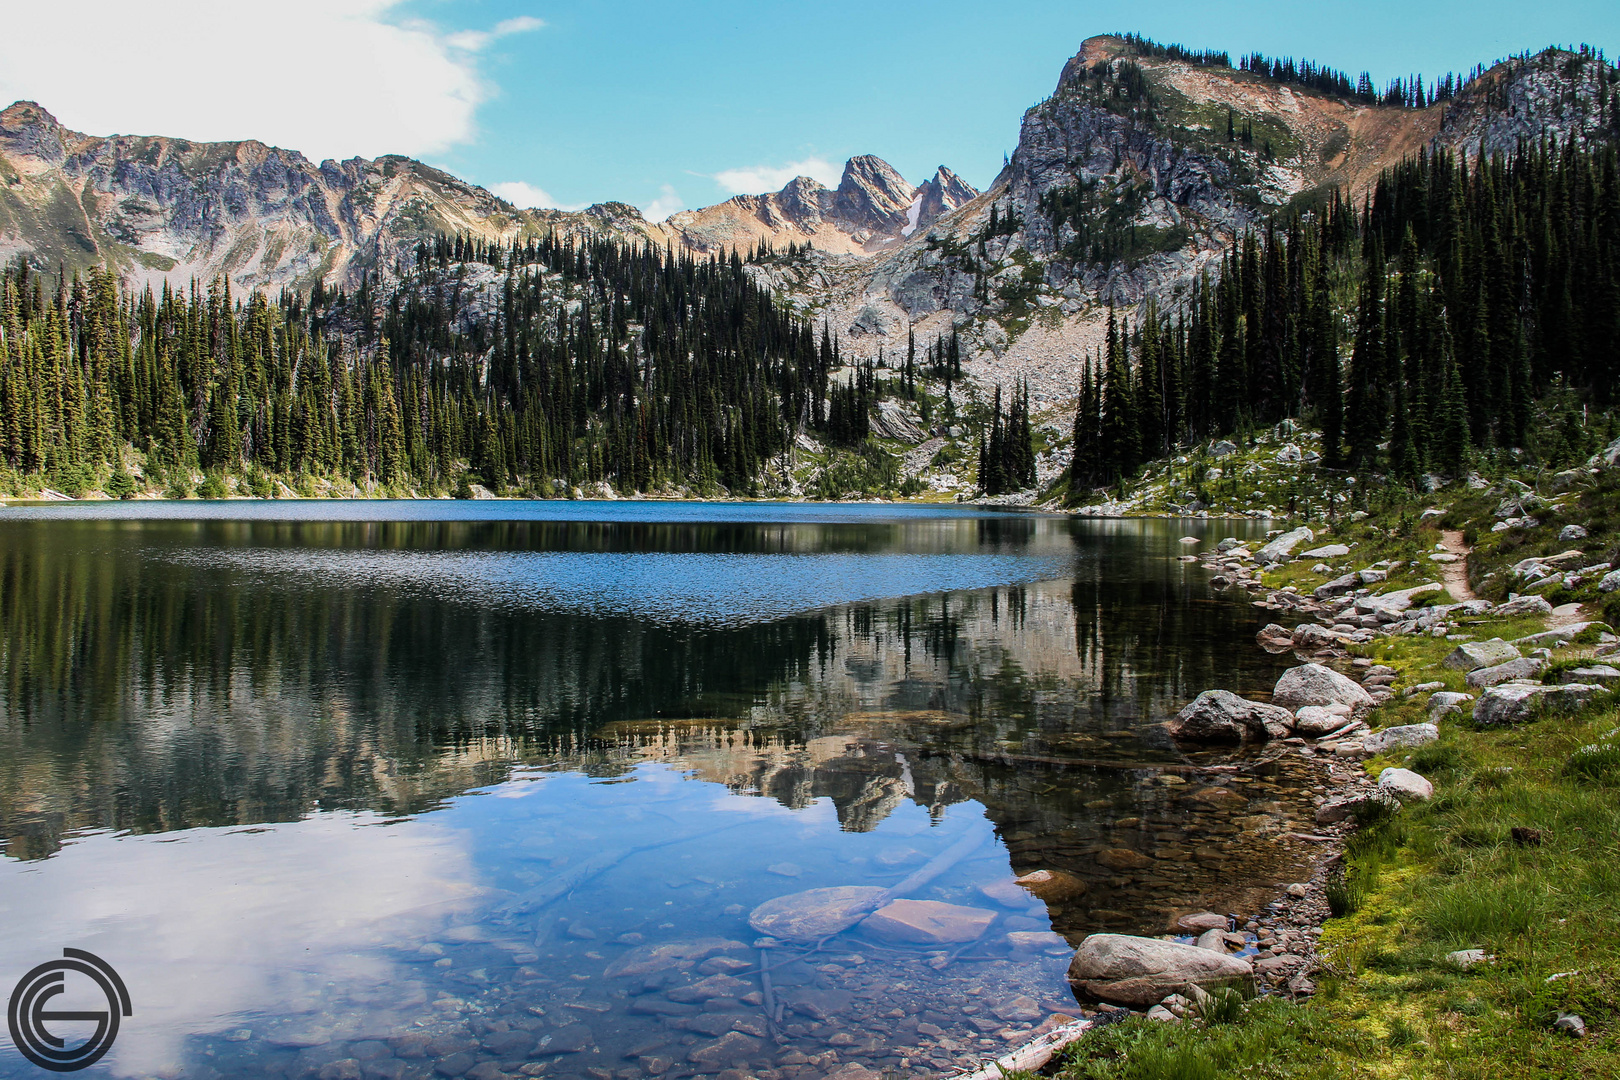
(913, 212)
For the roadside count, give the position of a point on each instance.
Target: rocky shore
(1326, 710)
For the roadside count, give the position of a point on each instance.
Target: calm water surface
(410, 789)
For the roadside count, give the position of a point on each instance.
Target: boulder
(1472, 655)
(1327, 551)
(1610, 456)
(1572, 532)
(1592, 674)
(1314, 721)
(815, 913)
(1311, 637)
(1526, 667)
(1338, 586)
(1559, 635)
(1140, 972)
(1313, 684)
(1213, 940)
(1222, 449)
(927, 922)
(1610, 582)
(1525, 605)
(1447, 701)
(1281, 548)
(1201, 921)
(1390, 738)
(1274, 638)
(1222, 716)
(1405, 785)
(1519, 704)
(1053, 886)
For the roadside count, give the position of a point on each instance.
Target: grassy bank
(1517, 855)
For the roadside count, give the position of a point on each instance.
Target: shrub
(213, 487)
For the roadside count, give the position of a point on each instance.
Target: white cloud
(523, 195)
(478, 40)
(759, 179)
(329, 78)
(667, 203)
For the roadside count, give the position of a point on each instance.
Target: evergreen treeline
(1414, 331)
(552, 363)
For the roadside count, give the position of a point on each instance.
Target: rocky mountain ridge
(154, 207)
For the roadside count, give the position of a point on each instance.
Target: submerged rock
(927, 922)
(1143, 971)
(1054, 886)
(815, 913)
(672, 956)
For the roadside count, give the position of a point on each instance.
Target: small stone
(1018, 1009)
(1410, 735)
(1570, 1024)
(786, 869)
(1159, 1012)
(1405, 785)
(1123, 859)
(1467, 958)
(1296, 890)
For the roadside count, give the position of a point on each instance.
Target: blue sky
(674, 104)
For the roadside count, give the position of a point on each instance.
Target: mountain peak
(872, 194)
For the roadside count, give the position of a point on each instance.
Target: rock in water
(1053, 886)
(672, 955)
(1222, 716)
(1274, 638)
(928, 922)
(815, 913)
(1314, 721)
(1142, 971)
(1313, 684)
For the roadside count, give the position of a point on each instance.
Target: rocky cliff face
(1133, 176)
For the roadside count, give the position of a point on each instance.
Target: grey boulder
(1473, 655)
(1222, 716)
(1281, 548)
(1526, 667)
(1390, 738)
(1141, 971)
(1519, 704)
(1405, 785)
(1314, 684)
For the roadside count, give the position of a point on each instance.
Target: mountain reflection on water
(369, 736)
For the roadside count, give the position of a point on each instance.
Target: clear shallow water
(402, 784)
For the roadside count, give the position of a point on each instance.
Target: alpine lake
(351, 790)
